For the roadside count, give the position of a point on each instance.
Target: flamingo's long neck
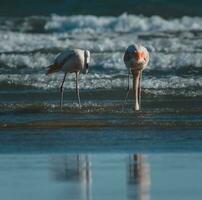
(136, 85)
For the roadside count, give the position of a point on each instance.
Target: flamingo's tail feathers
(52, 69)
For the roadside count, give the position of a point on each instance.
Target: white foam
(96, 81)
(123, 23)
(106, 63)
(26, 61)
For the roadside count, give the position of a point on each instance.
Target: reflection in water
(74, 169)
(114, 176)
(138, 177)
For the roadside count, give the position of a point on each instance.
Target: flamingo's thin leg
(77, 89)
(128, 89)
(62, 91)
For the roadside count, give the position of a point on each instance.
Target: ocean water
(103, 150)
(166, 8)
(172, 82)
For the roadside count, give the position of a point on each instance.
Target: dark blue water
(97, 140)
(166, 8)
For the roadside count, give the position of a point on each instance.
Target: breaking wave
(89, 23)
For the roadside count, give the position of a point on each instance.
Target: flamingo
(136, 58)
(70, 61)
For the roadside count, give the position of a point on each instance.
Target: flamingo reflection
(138, 177)
(74, 169)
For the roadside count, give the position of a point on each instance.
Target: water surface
(101, 176)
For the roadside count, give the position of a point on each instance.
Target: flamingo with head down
(70, 61)
(136, 58)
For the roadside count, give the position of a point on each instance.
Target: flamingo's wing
(127, 57)
(60, 60)
(63, 57)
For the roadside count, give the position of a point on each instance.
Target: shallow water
(34, 108)
(101, 176)
(97, 140)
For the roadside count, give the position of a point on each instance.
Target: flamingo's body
(136, 58)
(70, 61)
